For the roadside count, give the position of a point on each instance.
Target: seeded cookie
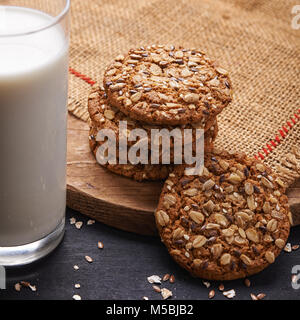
(228, 223)
(104, 116)
(138, 172)
(168, 86)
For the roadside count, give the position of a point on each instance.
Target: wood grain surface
(114, 200)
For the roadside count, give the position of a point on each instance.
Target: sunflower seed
(100, 245)
(166, 277)
(172, 279)
(88, 259)
(247, 282)
(211, 294)
(156, 289)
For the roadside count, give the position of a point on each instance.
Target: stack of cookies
(159, 87)
(232, 219)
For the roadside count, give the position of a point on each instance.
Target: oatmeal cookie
(228, 223)
(166, 85)
(104, 116)
(138, 172)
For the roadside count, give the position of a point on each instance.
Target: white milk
(33, 94)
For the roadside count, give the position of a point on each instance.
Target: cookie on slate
(104, 116)
(228, 223)
(168, 85)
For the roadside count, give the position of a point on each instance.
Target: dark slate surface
(120, 270)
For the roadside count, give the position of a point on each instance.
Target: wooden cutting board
(114, 200)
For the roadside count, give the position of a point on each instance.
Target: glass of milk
(34, 41)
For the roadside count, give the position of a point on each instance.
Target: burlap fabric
(253, 39)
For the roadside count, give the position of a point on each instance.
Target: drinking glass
(34, 42)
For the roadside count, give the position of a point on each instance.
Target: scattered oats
(88, 259)
(206, 283)
(72, 220)
(154, 279)
(172, 279)
(166, 277)
(253, 296)
(78, 224)
(28, 285)
(247, 282)
(33, 288)
(18, 287)
(77, 285)
(76, 267)
(165, 293)
(76, 297)
(156, 289)
(90, 222)
(229, 294)
(260, 296)
(288, 247)
(211, 294)
(221, 287)
(295, 247)
(100, 245)
(145, 298)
